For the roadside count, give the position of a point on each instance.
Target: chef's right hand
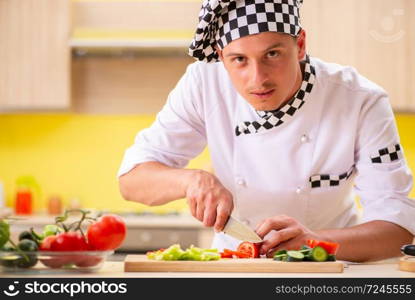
(209, 201)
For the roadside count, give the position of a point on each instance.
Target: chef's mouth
(264, 94)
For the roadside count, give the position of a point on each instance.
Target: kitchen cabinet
(128, 55)
(34, 55)
(374, 36)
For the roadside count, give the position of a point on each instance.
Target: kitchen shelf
(159, 39)
(118, 43)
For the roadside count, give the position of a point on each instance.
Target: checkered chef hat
(222, 21)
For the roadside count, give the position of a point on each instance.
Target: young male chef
(290, 138)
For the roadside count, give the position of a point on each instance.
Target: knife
(240, 231)
(408, 250)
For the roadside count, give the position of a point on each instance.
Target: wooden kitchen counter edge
(386, 269)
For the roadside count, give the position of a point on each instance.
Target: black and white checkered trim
(329, 180)
(223, 21)
(271, 119)
(387, 155)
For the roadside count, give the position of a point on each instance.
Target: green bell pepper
(175, 252)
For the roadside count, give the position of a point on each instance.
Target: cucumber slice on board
(319, 254)
(294, 255)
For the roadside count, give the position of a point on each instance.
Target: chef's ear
(301, 44)
(219, 52)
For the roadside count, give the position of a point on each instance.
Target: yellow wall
(74, 156)
(79, 155)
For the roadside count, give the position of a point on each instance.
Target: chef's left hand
(284, 233)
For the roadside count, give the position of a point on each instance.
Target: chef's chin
(265, 105)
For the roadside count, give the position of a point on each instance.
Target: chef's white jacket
(344, 127)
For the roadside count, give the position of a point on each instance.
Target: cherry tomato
(251, 249)
(107, 233)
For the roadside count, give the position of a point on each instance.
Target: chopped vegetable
(319, 254)
(306, 253)
(175, 252)
(331, 257)
(227, 253)
(330, 247)
(294, 255)
(251, 249)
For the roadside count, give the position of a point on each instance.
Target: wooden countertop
(115, 269)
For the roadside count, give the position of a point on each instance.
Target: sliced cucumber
(331, 257)
(280, 255)
(279, 252)
(294, 255)
(319, 254)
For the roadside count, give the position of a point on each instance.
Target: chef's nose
(258, 74)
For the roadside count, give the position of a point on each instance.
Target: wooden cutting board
(140, 263)
(407, 263)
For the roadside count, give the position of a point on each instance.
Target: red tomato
(45, 245)
(227, 253)
(251, 249)
(311, 243)
(242, 254)
(230, 254)
(69, 241)
(51, 262)
(330, 247)
(107, 233)
(88, 261)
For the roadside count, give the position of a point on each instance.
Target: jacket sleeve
(383, 179)
(178, 133)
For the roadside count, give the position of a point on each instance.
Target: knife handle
(408, 250)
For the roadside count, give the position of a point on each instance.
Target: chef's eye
(239, 59)
(273, 53)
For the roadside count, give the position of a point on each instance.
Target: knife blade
(240, 231)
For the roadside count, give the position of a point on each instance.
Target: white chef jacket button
(299, 190)
(304, 138)
(240, 181)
